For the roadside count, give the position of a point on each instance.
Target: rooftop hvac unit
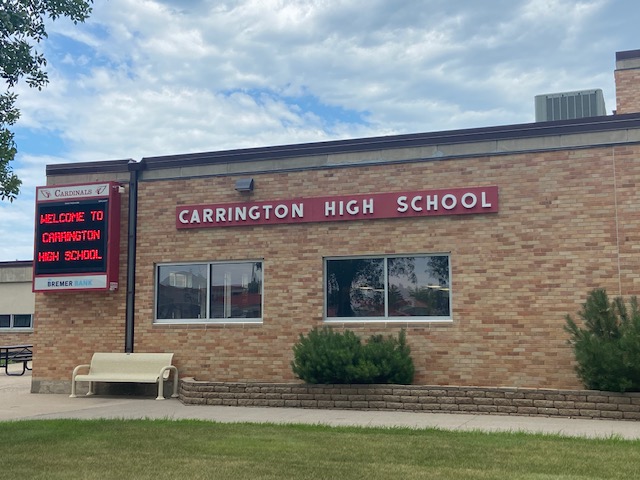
(568, 105)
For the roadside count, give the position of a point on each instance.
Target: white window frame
(207, 318)
(386, 318)
(12, 326)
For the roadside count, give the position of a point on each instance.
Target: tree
(22, 25)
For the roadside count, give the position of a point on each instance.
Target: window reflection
(355, 287)
(22, 320)
(210, 291)
(411, 286)
(182, 291)
(418, 286)
(236, 290)
(17, 320)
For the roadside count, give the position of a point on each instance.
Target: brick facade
(627, 77)
(568, 222)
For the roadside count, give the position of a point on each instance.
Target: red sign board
(428, 203)
(77, 237)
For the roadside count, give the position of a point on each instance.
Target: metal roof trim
(483, 134)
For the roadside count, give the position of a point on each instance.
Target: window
(182, 292)
(209, 292)
(236, 290)
(18, 320)
(392, 288)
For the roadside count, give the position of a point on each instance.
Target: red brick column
(627, 77)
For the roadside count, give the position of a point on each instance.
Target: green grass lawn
(153, 449)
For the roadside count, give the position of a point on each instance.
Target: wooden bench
(16, 354)
(127, 368)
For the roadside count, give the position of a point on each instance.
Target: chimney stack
(627, 78)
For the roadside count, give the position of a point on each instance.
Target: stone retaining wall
(444, 399)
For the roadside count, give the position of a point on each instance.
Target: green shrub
(330, 357)
(607, 349)
(324, 356)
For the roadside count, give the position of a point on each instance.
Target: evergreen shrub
(325, 356)
(607, 347)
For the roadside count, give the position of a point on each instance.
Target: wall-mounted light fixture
(244, 185)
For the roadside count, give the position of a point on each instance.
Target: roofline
(627, 54)
(16, 263)
(527, 130)
(102, 166)
(484, 134)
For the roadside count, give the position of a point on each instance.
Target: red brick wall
(627, 91)
(16, 338)
(514, 274)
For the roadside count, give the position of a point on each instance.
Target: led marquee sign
(77, 237)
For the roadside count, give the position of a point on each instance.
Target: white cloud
(144, 78)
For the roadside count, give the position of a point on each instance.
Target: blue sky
(148, 77)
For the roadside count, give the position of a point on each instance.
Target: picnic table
(16, 354)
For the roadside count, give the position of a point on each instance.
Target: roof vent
(569, 105)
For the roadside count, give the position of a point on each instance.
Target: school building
(476, 242)
(17, 303)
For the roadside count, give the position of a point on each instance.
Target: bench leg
(91, 389)
(161, 383)
(73, 387)
(160, 389)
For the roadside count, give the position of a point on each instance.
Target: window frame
(207, 319)
(386, 318)
(12, 326)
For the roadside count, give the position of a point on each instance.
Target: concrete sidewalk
(17, 403)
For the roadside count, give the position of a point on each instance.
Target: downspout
(134, 171)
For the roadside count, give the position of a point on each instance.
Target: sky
(145, 78)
